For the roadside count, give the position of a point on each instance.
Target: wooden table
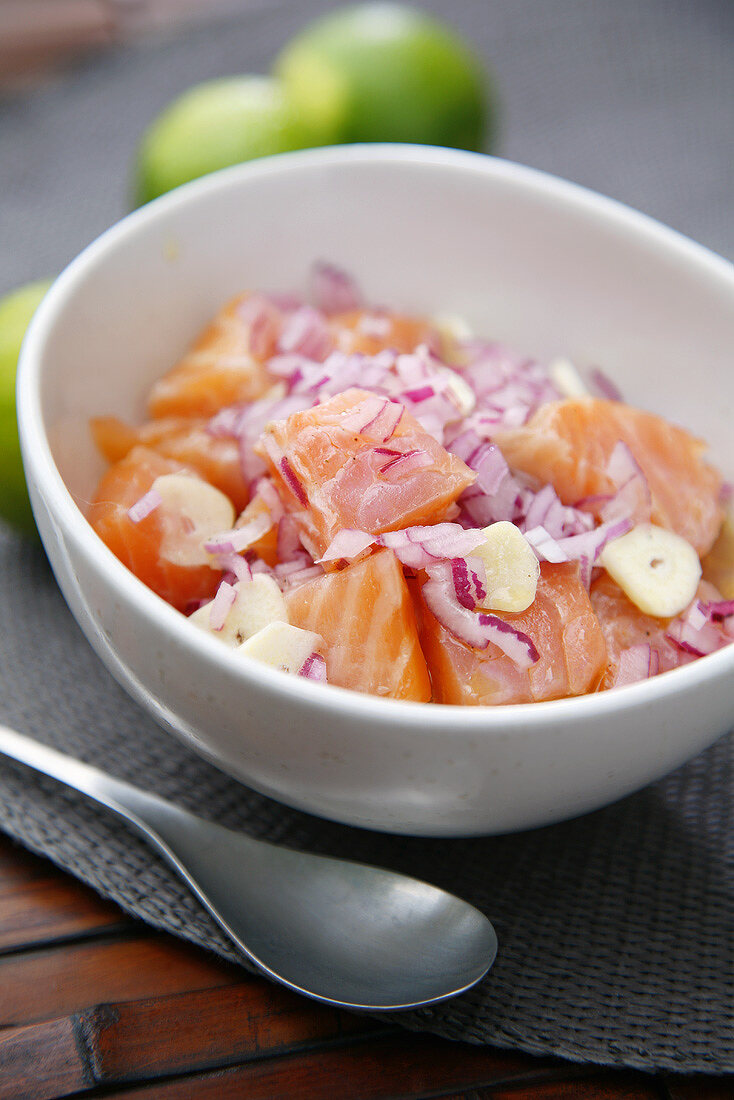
(93, 1004)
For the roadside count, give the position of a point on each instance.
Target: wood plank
(49, 910)
(41, 904)
(147, 1039)
(41, 1061)
(699, 1088)
(393, 1068)
(46, 984)
(203, 1029)
(605, 1085)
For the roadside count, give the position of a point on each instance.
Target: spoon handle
(168, 828)
(144, 811)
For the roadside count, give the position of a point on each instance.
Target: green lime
(383, 72)
(16, 310)
(215, 125)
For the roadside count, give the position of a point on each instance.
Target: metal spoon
(341, 932)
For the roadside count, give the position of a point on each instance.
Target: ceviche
(390, 504)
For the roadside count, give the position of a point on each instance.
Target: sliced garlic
(511, 565)
(257, 603)
(566, 378)
(192, 511)
(282, 646)
(459, 391)
(657, 569)
(452, 326)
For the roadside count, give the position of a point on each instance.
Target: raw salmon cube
(564, 629)
(360, 461)
(365, 617)
(141, 545)
(625, 626)
(184, 439)
(370, 331)
(569, 444)
(225, 366)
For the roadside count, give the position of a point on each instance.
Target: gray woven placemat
(615, 929)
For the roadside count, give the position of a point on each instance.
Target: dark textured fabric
(615, 929)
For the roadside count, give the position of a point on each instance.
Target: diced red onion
(288, 365)
(366, 412)
(333, 290)
(405, 463)
(469, 584)
(347, 545)
(266, 490)
(590, 544)
(221, 605)
(636, 663)
(263, 321)
(603, 385)
(489, 464)
(465, 444)
(306, 333)
(285, 301)
(440, 599)
(545, 547)
(470, 581)
(302, 575)
(375, 417)
(289, 477)
(423, 393)
(297, 564)
(633, 498)
(514, 643)
(147, 503)
(694, 632)
(419, 547)
(477, 630)
(314, 668)
(289, 541)
(385, 424)
(236, 565)
(696, 615)
(257, 565)
(697, 642)
(240, 538)
(720, 609)
(226, 422)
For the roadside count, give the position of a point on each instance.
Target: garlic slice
(257, 603)
(657, 569)
(511, 566)
(192, 511)
(282, 646)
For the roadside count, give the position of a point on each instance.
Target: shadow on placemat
(615, 929)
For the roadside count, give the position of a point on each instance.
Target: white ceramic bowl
(527, 258)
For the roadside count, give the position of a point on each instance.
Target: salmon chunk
(569, 444)
(360, 461)
(365, 617)
(564, 629)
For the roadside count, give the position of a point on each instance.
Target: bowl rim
(43, 472)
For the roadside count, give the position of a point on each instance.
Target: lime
(214, 125)
(383, 72)
(16, 311)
